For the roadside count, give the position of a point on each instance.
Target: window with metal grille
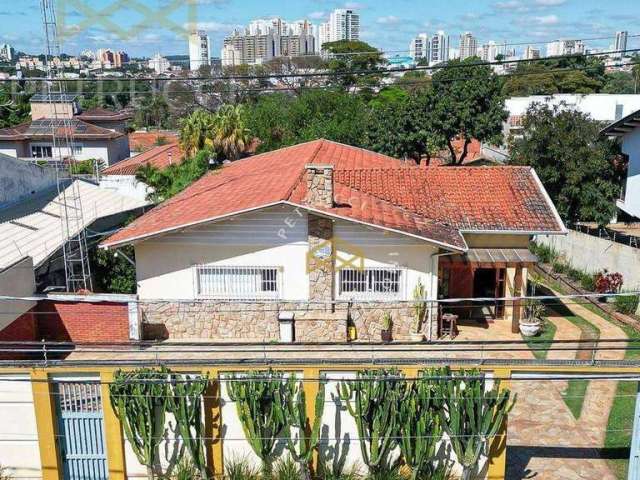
(370, 283)
(245, 283)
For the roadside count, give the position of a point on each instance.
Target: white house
(97, 133)
(322, 223)
(628, 129)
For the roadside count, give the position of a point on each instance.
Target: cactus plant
(420, 425)
(185, 402)
(139, 399)
(373, 400)
(308, 434)
(261, 402)
(473, 414)
(419, 306)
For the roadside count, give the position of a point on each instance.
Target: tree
(466, 103)
(577, 166)
(195, 130)
(619, 82)
(230, 133)
(348, 57)
(13, 109)
(403, 129)
(113, 272)
(280, 120)
(153, 111)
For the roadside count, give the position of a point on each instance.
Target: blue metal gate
(81, 430)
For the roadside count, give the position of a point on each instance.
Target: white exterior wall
(19, 449)
(276, 237)
(631, 147)
(125, 185)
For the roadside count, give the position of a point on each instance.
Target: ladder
(74, 240)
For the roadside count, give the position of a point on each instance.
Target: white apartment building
(159, 64)
(621, 43)
(488, 52)
(468, 45)
(344, 24)
(199, 50)
(242, 48)
(565, 47)
(419, 47)
(531, 53)
(6, 52)
(439, 48)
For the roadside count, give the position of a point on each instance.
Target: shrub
(559, 266)
(239, 468)
(609, 282)
(627, 304)
(544, 253)
(286, 469)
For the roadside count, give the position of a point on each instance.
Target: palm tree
(153, 111)
(195, 130)
(231, 136)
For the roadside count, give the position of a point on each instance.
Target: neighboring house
(628, 129)
(323, 222)
(30, 217)
(602, 107)
(121, 177)
(97, 134)
(141, 141)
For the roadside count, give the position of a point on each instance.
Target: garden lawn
(541, 343)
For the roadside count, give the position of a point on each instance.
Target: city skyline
(387, 27)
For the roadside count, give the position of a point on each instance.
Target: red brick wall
(22, 329)
(83, 322)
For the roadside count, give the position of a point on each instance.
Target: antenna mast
(62, 123)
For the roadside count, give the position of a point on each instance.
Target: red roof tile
(145, 140)
(158, 157)
(369, 187)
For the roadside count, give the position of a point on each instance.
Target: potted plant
(532, 321)
(387, 328)
(607, 283)
(419, 309)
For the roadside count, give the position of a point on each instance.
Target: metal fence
(608, 234)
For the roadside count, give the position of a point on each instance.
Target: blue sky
(385, 24)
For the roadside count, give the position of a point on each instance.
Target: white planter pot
(530, 329)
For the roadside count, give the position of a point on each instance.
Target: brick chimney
(319, 185)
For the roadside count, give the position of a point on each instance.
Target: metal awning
(497, 256)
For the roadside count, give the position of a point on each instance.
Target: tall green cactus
(185, 402)
(473, 415)
(139, 399)
(308, 437)
(261, 401)
(373, 400)
(420, 425)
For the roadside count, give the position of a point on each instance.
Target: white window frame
(41, 146)
(371, 283)
(238, 282)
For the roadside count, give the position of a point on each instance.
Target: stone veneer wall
(320, 185)
(258, 322)
(320, 260)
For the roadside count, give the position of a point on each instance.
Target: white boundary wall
(592, 254)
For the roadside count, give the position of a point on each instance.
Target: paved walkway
(545, 440)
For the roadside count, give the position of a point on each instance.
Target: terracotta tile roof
(140, 141)
(372, 188)
(158, 157)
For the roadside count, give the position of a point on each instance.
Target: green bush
(286, 469)
(240, 468)
(559, 267)
(627, 304)
(544, 253)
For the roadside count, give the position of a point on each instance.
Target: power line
(338, 73)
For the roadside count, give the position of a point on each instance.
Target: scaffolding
(75, 252)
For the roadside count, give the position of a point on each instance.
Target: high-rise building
(7, 53)
(488, 52)
(531, 53)
(322, 36)
(468, 45)
(344, 24)
(199, 50)
(419, 47)
(621, 43)
(565, 47)
(439, 48)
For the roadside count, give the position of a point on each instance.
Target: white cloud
(388, 20)
(550, 3)
(509, 5)
(316, 15)
(355, 5)
(215, 27)
(547, 20)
